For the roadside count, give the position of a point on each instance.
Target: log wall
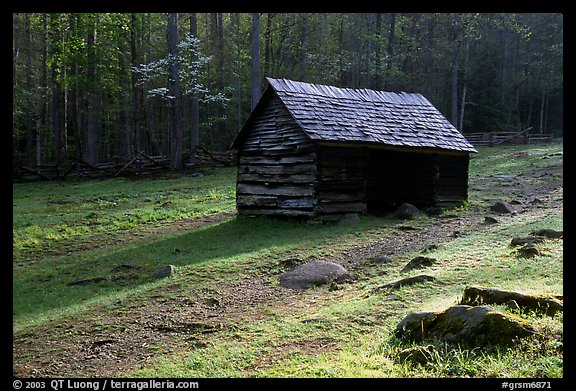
(341, 182)
(276, 166)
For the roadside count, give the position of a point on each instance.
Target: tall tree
(195, 106)
(175, 94)
(255, 75)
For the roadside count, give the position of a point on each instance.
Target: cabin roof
(328, 113)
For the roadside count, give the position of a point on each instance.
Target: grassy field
(83, 229)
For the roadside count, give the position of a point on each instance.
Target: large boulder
(466, 325)
(312, 274)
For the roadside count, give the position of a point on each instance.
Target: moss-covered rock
(540, 303)
(466, 325)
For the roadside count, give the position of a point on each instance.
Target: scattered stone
(505, 176)
(419, 262)
(86, 281)
(502, 207)
(407, 228)
(429, 247)
(380, 260)
(126, 266)
(405, 281)
(456, 234)
(548, 233)
(93, 280)
(288, 263)
(212, 301)
(407, 211)
(536, 201)
(548, 304)
(466, 325)
(349, 218)
(164, 271)
(524, 240)
(528, 251)
(315, 320)
(488, 219)
(417, 354)
(390, 297)
(313, 273)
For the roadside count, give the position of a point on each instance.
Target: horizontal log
(302, 191)
(278, 178)
(278, 169)
(271, 160)
(275, 212)
(325, 197)
(341, 207)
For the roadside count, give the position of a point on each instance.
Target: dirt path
(132, 332)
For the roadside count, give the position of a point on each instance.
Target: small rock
(536, 201)
(390, 297)
(405, 281)
(528, 251)
(86, 281)
(502, 207)
(488, 219)
(164, 271)
(429, 247)
(524, 240)
(419, 262)
(315, 320)
(548, 233)
(407, 211)
(381, 260)
(126, 266)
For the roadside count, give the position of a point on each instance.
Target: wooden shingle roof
(327, 113)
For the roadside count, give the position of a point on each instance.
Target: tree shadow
(46, 288)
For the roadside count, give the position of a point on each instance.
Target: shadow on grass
(228, 247)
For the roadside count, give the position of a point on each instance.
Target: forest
(97, 86)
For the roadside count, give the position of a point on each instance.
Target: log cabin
(320, 152)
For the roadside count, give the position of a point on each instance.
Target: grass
(51, 217)
(79, 229)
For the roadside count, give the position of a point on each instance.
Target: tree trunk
(221, 133)
(175, 128)
(255, 78)
(390, 50)
(378, 78)
(90, 148)
(236, 21)
(455, 60)
(462, 106)
(268, 40)
(56, 98)
(543, 100)
(29, 87)
(137, 90)
(195, 105)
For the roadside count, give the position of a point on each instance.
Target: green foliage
(510, 63)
